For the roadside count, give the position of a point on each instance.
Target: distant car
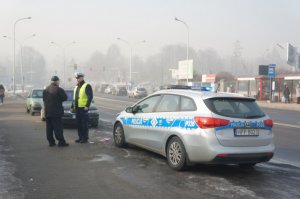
(69, 118)
(188, 126)
(103, 87)
(34, 101)
(138, 92)
(121, 91)
(110, 89)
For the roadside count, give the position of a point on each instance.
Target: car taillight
(268, 123)
(209, 122)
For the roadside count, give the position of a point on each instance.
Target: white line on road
(105, 107)
(287, 125)
(108, 99)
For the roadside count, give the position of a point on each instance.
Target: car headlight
(93, 111)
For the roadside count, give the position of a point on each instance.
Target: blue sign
(271, 71)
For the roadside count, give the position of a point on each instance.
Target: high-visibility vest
(82, 97)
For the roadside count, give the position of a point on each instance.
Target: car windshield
(234, 107)
(141, 89)
(37, 94)
(70, 95)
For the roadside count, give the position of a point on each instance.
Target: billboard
(185, 69)
(209, 78)
(263, 70)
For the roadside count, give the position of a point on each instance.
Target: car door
(166, 112)
(137, 123)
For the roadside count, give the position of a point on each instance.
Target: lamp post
(21, 50)
(63, 48)
(187, 48)
(131, 46)
(14, 66)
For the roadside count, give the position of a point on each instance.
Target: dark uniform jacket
(53, 97)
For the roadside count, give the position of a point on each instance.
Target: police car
(191, 126)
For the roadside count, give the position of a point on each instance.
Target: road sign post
(271, 75)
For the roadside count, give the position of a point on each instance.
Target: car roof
(202, 94)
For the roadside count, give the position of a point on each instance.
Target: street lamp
(63, 48)
(187, 47)
(21, 48)
(14, 81)
(131, 46)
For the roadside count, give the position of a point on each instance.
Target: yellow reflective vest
(82, 97)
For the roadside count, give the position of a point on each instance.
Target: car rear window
(234, 107)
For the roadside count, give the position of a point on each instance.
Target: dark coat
(53, 97)
(286, 92)
(2, 91)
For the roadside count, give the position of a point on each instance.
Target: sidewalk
(278, 105)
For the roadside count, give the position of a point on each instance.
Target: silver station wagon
(191, 126)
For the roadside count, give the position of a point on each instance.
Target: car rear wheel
(119, 136)
(176, 154)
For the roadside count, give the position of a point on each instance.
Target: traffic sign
(271, 71)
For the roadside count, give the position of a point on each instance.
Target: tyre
(176, 154)
(27, 110)
(119, 136)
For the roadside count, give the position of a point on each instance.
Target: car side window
(169, 103)
(147, 105)
(187, 104)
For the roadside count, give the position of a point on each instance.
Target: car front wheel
(176, 154)
(119, 136)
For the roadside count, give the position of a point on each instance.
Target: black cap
(54, 78)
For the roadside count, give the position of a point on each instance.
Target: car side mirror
(129, 110)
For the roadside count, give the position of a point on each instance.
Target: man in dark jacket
(286, 93)
(2, 93)
(53, 97)
(82, 99)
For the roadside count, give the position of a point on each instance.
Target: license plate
(246, 132)
(74, 116)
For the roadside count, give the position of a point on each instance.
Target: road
(31, 169)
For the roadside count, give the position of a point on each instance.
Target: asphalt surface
(31, 169)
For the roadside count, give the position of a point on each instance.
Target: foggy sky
(95, 25)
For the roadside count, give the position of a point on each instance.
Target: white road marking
(105, 107)
(287, 125)
(108, 99)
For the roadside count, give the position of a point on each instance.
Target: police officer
(82, 99)
(53, 97)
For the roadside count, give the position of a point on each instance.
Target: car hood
(37, 100)
(67, 106)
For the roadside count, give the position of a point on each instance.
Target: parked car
(34, 101)
(121, 91)
(69, 117)
(138, 92)
(188, 126)
(103, 87)
(110, 89)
